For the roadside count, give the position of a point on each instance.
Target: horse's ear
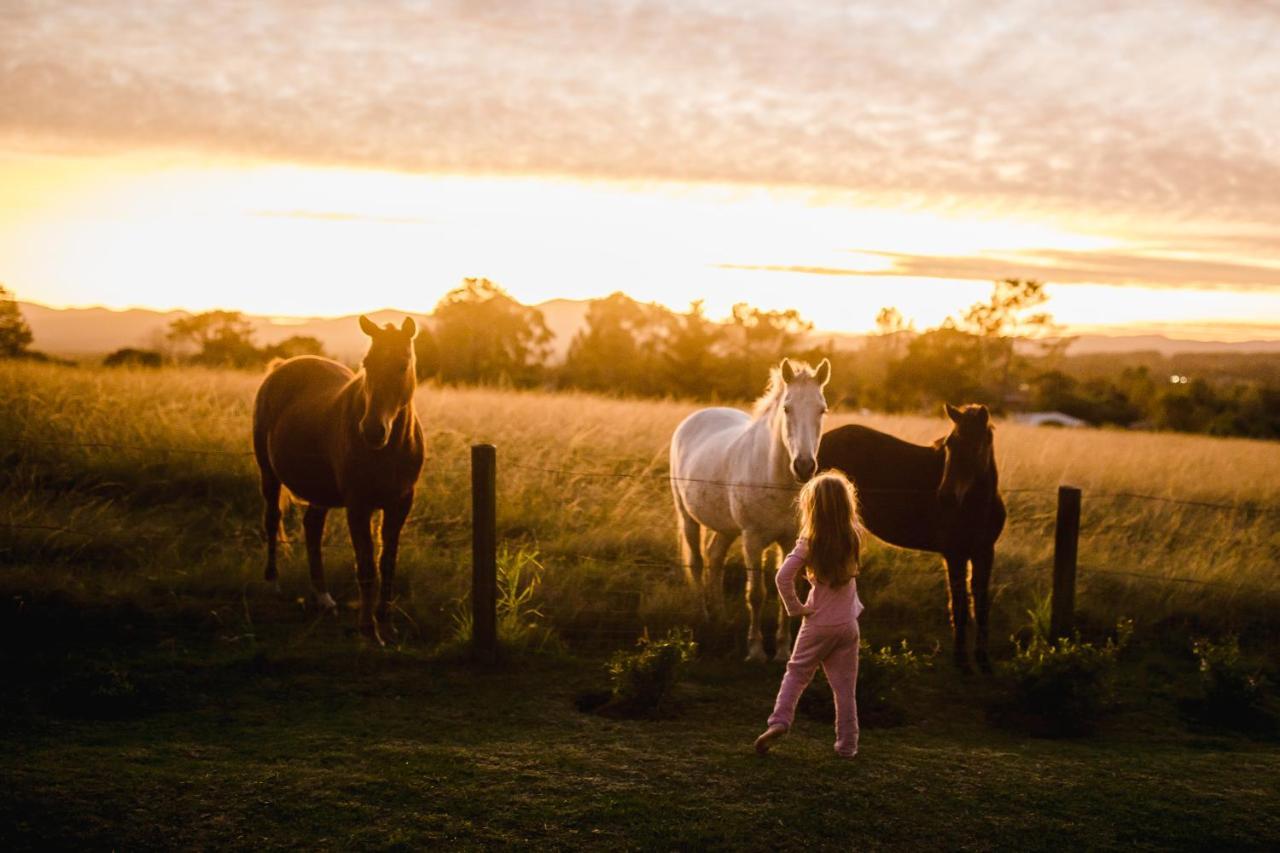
(984, 416)
(409, 327)
(367, 326)
(952, 412)
(823, 373)
(788, 372)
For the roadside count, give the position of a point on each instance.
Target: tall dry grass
(167, 509)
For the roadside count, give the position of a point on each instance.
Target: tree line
(1005, 352)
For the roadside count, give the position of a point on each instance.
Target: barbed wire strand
(1243, 508)
(1238, 587)
(658, 475)
(148, 448)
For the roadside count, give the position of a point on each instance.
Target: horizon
(310, 164)
(62, 332)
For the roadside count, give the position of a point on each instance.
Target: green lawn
(303, 739)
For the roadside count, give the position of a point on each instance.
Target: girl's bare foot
(770, 735)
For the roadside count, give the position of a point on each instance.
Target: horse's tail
(286, 498)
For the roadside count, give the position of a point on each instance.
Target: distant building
(1049, 419)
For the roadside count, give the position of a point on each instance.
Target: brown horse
(335, 438)
(943, 498)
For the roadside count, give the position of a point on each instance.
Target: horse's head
(803, 407)
(389, 378)
(969, 452)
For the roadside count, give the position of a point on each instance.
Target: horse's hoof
(270, 574)
(782, 655)
(756, 656)
(325, 602)
(371, 636)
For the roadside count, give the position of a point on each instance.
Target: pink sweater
(830, 606)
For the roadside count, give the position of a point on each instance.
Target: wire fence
(670, 567)
(665, 476)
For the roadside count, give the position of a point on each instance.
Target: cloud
(1058, 267)
(341, 216)
(1020, 105)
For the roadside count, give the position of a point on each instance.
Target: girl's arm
(786, 579)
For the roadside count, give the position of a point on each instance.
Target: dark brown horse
(943, 498)
(335, 438)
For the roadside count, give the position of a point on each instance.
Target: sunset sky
(312, 158)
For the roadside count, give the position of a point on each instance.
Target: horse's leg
(959, 605)
(688, 541)
(313, 524)
(782, 651)
(983, 558)
(752, 552)
(717, 550)
(359, 519)
(393, 518)
(270, 518)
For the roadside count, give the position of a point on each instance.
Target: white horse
(735, 473)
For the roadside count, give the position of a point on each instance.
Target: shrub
(131, 357)
(1234, 690)
(881, 675)
(99, 692)
(1062, 689)
(642, 681)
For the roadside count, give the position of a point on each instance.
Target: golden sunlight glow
(290, 241)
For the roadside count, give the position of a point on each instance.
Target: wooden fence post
(484, 553)
(1065, 546)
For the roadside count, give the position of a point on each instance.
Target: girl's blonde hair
(829, 520)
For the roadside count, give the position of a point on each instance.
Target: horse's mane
(773, 391)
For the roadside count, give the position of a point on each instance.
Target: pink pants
(836, 648)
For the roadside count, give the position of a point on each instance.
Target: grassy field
(246, 718)
(146, 522)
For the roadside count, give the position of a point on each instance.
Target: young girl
(829, 547)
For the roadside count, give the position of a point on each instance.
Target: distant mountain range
(87, 332)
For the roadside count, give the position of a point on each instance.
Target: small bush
(642, 681)
(98, 692)
(131, 357)
(881, 675)
(1234, 691)
(1063, 689)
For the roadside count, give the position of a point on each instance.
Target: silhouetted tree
(880, 351)
(690, 356)
(945, 364)
(484, 335)
(218, 338)
(619, 347)
(294, 346)
(15, 334)
(1003, 319)
(426, 353)
(756, 340)
(1095, 400)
